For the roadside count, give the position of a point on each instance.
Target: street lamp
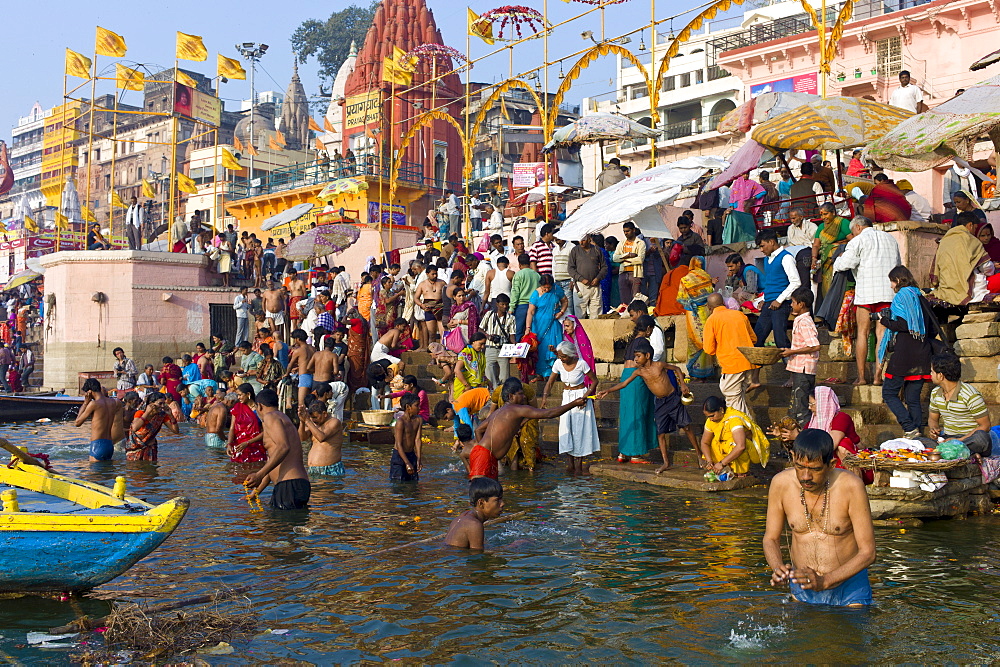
(252, 52)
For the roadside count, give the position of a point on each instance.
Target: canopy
(636, 198)
(985, 61)
(830, 124)
(949, 130)
(598, 127)
(763, 107)
(286, 217)
(321, 241)
(749, 156)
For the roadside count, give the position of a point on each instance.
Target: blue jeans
(520, 319)
(911, 415)
(776, 321)
(565, 286)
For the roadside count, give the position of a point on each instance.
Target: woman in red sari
(170, 378)
(246, 434)
(358, 349)
(146, 424)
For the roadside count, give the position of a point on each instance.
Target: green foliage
(330, 40)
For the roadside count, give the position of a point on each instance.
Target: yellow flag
(190, 47)
(77, 64)
(313, 125)
(230, 68)
(237, 144)
(326, 125)
(109, 43)
(61, 221)
(116, 200)
(186, 184)
(273, 145)
(87, 214)
(250, 149)
(229, 161)
(128, 78)
(397, 69)
(280, 138)
(29, 224)
(186, 80)
(481, 29)
(320, 146)
(147, 189)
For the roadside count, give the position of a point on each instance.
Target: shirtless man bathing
(284, 458)
(467, 529)
(301, 361)
(103, 412)
(429, 296)
(327, 433)
(274, 309)
(496, 434)
(833, 541)
(217, 422)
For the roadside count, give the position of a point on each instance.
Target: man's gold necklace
(824, 515)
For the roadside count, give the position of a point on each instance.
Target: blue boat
(63, 534)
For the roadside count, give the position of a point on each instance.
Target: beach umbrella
(286, 217)
(985, 61)
(830, 124)
(947, 131)
(637, 198)
(342, 187)
(598, 127)
(763, 107)
(22, 277)
(321, 241)
(749, 156)
(71, 202)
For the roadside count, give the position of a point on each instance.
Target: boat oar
(23, 456)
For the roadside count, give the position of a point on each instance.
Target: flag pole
(390, 155)
(469, 146)
(114, 154)
(173, 160)
(545, 100)
(62, 168)
(90, 130)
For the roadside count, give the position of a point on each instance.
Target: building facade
(26, 148)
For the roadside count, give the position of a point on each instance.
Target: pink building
(935, 41)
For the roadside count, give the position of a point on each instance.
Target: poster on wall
(528, 174)
(397, 213)
(804, 83)
(194, 104)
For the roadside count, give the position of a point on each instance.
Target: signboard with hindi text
(197, 105)
(363, 109)
(528, 174)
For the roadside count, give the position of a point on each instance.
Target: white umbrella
(71, 202)
(286, 217)
(537, 193)
(637, 198)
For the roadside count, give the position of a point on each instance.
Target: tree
(330, 40)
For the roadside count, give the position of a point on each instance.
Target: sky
(35, 56)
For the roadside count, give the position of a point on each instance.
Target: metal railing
(673, 131)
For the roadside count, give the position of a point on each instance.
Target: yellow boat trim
(91, 496)
(161, 519)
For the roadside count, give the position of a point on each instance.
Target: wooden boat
(31, 407)
(63, 534)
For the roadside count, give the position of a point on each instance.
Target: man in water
(833, 540)
(324, 363)
(467, 530)
(301, 361)
(405, 464)
(496, 434)
(101, 411)
(217, 421)
(327, 433)
(284, 458)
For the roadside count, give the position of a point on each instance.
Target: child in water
(486, 498)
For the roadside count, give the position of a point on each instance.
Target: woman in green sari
(693, 294)
(470, 369)
(834, 231)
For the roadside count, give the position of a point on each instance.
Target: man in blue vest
(781, 278)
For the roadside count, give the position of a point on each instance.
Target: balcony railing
(674, 131)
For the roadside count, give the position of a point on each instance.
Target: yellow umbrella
(830, 124)
(342, 187)
(21, 278)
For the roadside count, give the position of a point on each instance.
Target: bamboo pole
(90, 132)
(114, 156)
(62, 162)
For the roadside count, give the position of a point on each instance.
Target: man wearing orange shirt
(725, 331)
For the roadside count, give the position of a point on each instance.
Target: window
(669, 83)
(699, 76)
(685, 79)
(639, 91)
(889, 56)
(138, 173)
(107, 181)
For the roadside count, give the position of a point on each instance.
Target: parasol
(22, 277)
(763, 107)
(321, 241)
(71, 202)
(598, 127)
(286, 217)
(341, 188)
(638, 198)
(949, 130)
(830, 124)
(985, 61)
(749, 156)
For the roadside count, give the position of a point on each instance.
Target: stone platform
(677, 477)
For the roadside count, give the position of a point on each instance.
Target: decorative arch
(421, 120)
(582, 64)
(481, 116)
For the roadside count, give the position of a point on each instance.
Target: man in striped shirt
(540, 251)
(957, 409)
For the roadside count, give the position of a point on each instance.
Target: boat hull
(31, 408)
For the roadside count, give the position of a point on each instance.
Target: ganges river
(594, 571)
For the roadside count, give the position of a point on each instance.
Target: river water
(593, 571)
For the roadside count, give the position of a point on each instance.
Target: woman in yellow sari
(692, 294)
(834, 231)
(732, 440)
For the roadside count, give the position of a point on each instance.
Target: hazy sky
(38, 32)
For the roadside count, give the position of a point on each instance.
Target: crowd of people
(20, 332)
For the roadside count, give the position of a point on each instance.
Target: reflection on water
(592, 571)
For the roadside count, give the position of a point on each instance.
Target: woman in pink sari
(573, 332)
(246, 434)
